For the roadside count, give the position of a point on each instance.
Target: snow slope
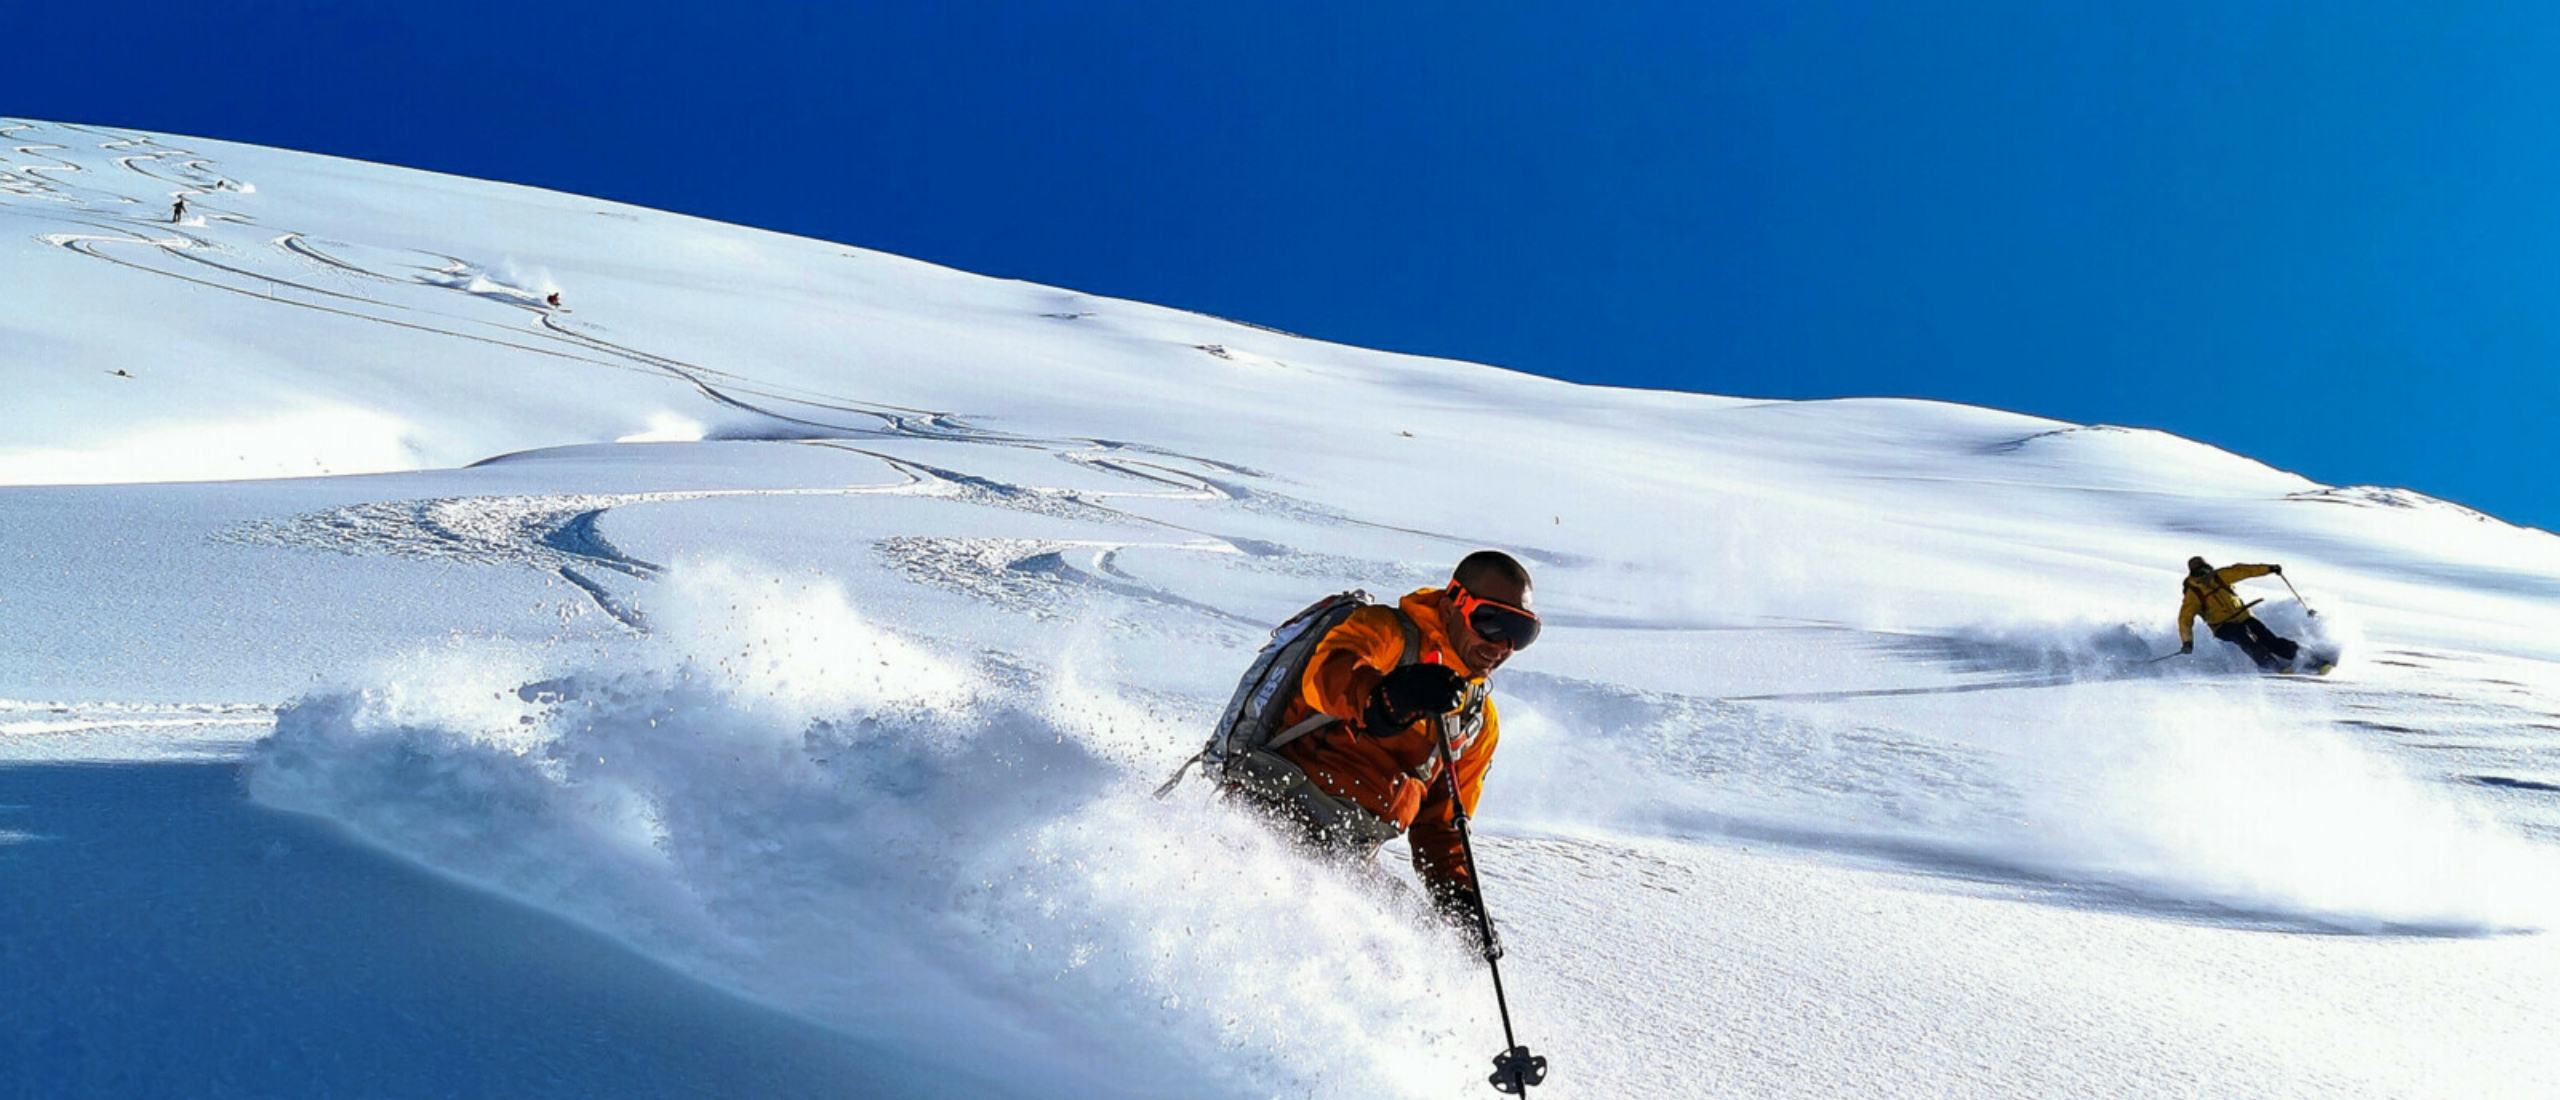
(785, 638)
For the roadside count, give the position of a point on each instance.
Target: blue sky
(2324, 235)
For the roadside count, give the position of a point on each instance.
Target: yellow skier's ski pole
(2297, 595)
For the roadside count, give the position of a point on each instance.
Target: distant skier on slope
(2209, 594)
(178, 210)
(1376, 687)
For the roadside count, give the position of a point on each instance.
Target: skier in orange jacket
(1375, 774)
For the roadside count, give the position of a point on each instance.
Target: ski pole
(2297, 595)
(1515, 1069)
(2166, 656)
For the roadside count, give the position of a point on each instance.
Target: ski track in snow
(534, 532)
(558, 338)
(542, 532)
(535, 327)
(386, 291)
(559, 533)
(1046, 579)
(550, 533)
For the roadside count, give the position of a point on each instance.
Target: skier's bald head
(1494, 575)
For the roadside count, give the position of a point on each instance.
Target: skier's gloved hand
(1412, 693)
(2276, 569)
(2188, 647)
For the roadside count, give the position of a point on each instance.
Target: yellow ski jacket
(2213, 598)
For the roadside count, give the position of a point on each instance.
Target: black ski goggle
(1499, 623)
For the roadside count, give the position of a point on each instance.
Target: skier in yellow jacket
(2209, 595)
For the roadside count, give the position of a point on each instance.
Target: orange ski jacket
(2213, 598)
(1394, 774)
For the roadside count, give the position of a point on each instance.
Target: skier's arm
(1343, 678)
(2234, 574)
(2188, 609)
(1351, 660)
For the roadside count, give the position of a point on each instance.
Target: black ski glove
(1412, 693)
(2278, 570)
(2189, 647)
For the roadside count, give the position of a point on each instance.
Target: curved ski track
(450, 297)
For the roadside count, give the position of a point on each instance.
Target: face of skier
(2197, 568)
(1480, 653)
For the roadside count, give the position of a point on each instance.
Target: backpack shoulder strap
(1319, 720)
(1176, 779)
(2207, 587)
(1309, 724)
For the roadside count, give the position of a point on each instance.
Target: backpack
(1252, 718)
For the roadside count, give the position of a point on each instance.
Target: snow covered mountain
(768, 652)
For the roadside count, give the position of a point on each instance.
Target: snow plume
(2238, 799)
(2065, 650)
(780, 795)
(508, 280)
(2185, 797)
(2101, 650)
(2338, 632)
(536, 279)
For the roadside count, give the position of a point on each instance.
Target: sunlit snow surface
(814, 623)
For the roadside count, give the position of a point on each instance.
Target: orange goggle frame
(1495, 622)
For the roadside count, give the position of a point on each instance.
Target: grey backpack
(1252, 718)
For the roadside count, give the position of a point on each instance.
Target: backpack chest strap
(1461, 728)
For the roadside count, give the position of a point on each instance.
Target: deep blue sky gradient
(2324, 235)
